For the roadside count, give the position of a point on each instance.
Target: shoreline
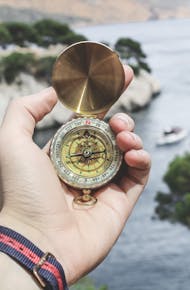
(138, 95)
(137, 22)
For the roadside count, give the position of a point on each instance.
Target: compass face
(85, 154)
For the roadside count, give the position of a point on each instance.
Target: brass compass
(88, 78)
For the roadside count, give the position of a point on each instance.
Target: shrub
(164, 198)
(21, 33)
(131, 51)
(177, 176)
(176, 205)
(87, 284)
(43, 33)
(182, 210)
(15, 63)
(5, 36)
(51, 31)
(72, 38)
(43, 68)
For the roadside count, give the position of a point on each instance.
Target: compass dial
(85, 154)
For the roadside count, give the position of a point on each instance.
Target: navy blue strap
(45, 268)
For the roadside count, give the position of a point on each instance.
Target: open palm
(39, 206)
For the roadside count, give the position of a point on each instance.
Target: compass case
(88, 78)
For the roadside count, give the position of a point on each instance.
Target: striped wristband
(43, 266)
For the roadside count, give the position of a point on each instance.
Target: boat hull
(171, 138)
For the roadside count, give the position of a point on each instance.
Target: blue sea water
(152, 254)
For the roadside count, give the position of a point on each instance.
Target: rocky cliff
(137, 96)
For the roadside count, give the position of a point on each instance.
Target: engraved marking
(88, 122)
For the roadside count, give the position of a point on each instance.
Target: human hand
(39, 206)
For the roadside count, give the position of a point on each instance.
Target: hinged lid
(88, 78)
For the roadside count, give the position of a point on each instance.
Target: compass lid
(88, 78)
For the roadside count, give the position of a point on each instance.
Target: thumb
(23, 113)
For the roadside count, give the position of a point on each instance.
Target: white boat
(171, 135)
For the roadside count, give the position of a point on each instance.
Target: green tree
(177, 176)
(5, 36)
(131, 51)
(182, 210)
(87, 284)
(15, 63)
(71, 38)
(43, 68)
(51, 31)
(21, 33)
(176, 205)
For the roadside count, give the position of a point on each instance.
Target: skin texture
(39, 206)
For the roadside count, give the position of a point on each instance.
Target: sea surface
(152, 254)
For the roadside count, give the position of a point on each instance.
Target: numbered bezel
(67, 175)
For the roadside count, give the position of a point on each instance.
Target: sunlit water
(151, 254)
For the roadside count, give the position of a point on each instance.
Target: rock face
(26, 85)
(139, 93)
(137, 96)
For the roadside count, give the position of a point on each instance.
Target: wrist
(44, 267)
(30, 248)
(37, 237)
(14, 276)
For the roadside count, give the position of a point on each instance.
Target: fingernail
(132, 136)
(123, 118)
(126, 120)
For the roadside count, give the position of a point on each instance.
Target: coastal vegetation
(48, 32)
(132, 52)
(175, 206)
(21, 34)
(42, 33)
(16, 62)
(87, 284)
(5, 36)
